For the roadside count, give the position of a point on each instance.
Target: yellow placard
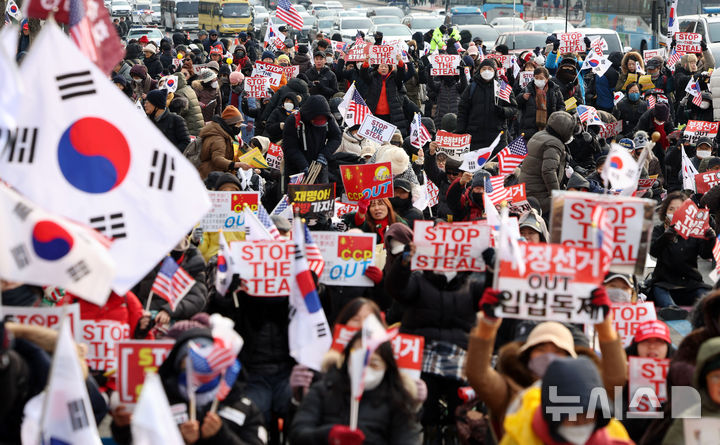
(254, 158)
(646, 82)
(570, 104)
(631, 77)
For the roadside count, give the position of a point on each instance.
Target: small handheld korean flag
(13, 10)
(81, 150)
(152, 421)
(688, 171)
(620, 168)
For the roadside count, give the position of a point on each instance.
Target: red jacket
(125, 309)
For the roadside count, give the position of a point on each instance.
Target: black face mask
(236, 130)
(400, 203)
(478, 198)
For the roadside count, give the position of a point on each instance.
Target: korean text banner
(312, 200)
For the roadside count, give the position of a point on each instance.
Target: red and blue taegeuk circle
(221, 263)
(94, 155)
(50, 240)
(616, 162)
(13, 9)
(170, 83)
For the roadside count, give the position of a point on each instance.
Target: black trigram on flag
(75, 84)
(162, 173)
(79, 270)
(21, 210)
(21, 256)
(112, 226)
(20, 146)
(78, 416)
(321, 329)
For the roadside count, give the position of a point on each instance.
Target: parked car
(120, 8)
(467, 15)
(548, 26)
(387, 10)
(391, 32)
(706, 25)
(520, 41)
(348, 27)
(153, 34)
(486, 33)
(423, 22)
(385, 20)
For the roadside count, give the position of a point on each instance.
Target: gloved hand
(489, 301)
(343, 435)
(673, 43)
(601, 300)
(321, 159)
(363, 206)
(197, 235)
(703, 45)
(710, 234)
(587, 43)
(374, 273)
(488, 256)
(670, 233)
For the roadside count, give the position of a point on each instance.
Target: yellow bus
(226, 16)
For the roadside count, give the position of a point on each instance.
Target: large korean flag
(82, 150)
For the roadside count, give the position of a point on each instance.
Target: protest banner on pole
(226, 212)
(695, 130)
(688, 42)
(444, 64)
(358, 52)
(101, 336)
(647, 373)
(257, 87)
(268, 70)
(450, 247)
(136, 358)
(644, 184)
(503, 61)
(291, 71)
(705, 181)
(630, 217)
(274, 156)
(525, 78)
(346, 256)
(312, 200)
(453, 145)
(610, 130)
(407, 349)
(557, 284)
(627, 317)
(690, 221)
(376, 129)
(571, 42)
(45, 316)
(650, 53)
(266, 266)
(343, 208)
(367, 181)
(382, 54)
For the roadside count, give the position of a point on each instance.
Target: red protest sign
(238, 200)
(274, 156)
(627, 317)
(135, 359)
(367, 181)
(691, 221)
(453, 145)
(571, 42)
(647, 381)
(342, 208)
(518, 199)
(291, 71)
(268, 70)
(101, 336)
(444, 65)
(450, 247)
(40, 9)
(358, 52)
(556, 285)
(695, 130)
(381, 54)
(705, 181)
(688, 42)
(610, 130)
(266, 266)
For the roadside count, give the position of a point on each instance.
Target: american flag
(589, 114)
(604, 235)
(512, 156)
(495, 190)
(267, 222)
(209, 362)
(716, 254)
(80, 29)
(357, 109)
(283, 208)
(296, 179)
(228, 380)
(288, 14)
(693, 89)
(419, 135)
(651, 102)
(172, 283)
(503, 90)
(312, 253)
(673, 59)
(359, 38)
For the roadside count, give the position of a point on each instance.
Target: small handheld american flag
(495, 189)
(503, 90)
(651, 102)
(357, 109)
(172, 283)
(512, 156)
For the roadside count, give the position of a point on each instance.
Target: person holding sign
(630, 108)
(447, 89)
(631, 66)
(537, 101)
(688, 110)
(465, 196)
(384, 96)
(374, 216)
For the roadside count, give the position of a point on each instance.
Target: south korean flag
(83, 151)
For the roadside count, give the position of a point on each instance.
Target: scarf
(541, 107)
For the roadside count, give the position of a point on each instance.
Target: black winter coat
(279, 115)
(568, 90)
(154, 67)
(680, 79)
(326, 81)
(174, 128)
(393, 92)
(629, 113)
(447, 90)
(441, 181)
(528, 108)
(166, 59)
(677, 266)
(483, 115)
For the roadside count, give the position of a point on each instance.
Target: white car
(385, 20)
(548, 26)
(153, 34)
(349, 27)
(120, 8)
(334, 5)
(156, 13)
(391, 32)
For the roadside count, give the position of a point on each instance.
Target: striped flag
(589, 114)
(256, 229)
(283, 208)
(353, 107)
(503, 90)
(80, 29)
(228, 380)
(651, 102)
(673, 59)
(604, 235)
(204, 366)
(419, 136)
(267, 222)
(693, 89)
(512, 156)
(716, 254)
(495, 190)
(312, 252)
(288, 14)
(172, 283)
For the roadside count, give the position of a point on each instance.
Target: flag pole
(190, 388)
(501, 234)
(147, 305)
(216, 401)
(53, 367)
(354, 411)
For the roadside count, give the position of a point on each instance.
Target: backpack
(193, 151)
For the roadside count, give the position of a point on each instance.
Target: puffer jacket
(393, 90)
(298, 86)
(543, 169)
(174, 129)
(193, 113)
(528, 108)
(483, 115)
(209, 100)
(217, 149)
(154, 66)
(349, 144)
(639, 63)
(278, 116)
(677, 266)
(326, 81)
(447, 90)
(303, 61)
(629, 113)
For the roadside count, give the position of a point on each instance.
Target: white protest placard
(627, 317)
(631, 219)
(557, 284)
(100, 336)
(46, 316)
(226, 212)
(376, 129)
(453, 145)
(450, 247)
(266, 266)
(650, 53)
(346, 256)
(291, 71)
(382, 54)
(571, 42)
(688, 42)
(647, 381)
(695, 130)
(610, 130)
(257, 87)
(444, 64)
(502, 60)
(270, 70)
(525, 78)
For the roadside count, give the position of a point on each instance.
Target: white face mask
(669, 217)
(539, 364)
(705, 105)
(540, 83)
(373, 378)
(576, 434)
(214, 84)
(288, 106)
(702, 154)
(617, 295)
(396, 247)
(487, 74)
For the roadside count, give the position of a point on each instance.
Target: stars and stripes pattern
(716, 254)
(512, 156)
(673, 59)
(604, 235)
(172, 283)
(419, 135)
(228, 380)
(312, 253)
(589, 115)
(693, 89)
(503, 90)
(357, 108)
(80, 31)
(495, 190)
(283, 208)
(202, 370)
(288, 14)
(267, 222)
(651, 102)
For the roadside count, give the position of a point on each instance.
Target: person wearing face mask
(152, 61)
(522, 362)
(141, 82)
(320, 78)
(207, 90)
(631, 66)
(170, 124)
(385, 92)
(542, 418)
(447, 91)
(217, 143)
(402, 202)
(539, 99)
(630, 108)
(193, 113)
(276, 122)
(386, 412)
(689, 110)
(240, 57)
(465, 196)
(703, 150)
(568, 80)
(676, 278)
(684, 72)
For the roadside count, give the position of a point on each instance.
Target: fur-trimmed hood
(632, 55)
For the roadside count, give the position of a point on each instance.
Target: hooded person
(576, 416)
(689, 110)
(402, 202)
(152, 61)
(447, 91)
(352, 142)
(657, 119)
(207, 90)
(171, 125)
(240, 57)
(302, 59)
(276, 122)
(567, 80)
(299, 86)
(310, 135)
(465, 196)
(481, 113)
(193, 114)
(141, 82)
(218, 153)
(630, 68)
(543, 169)
(533, 227)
